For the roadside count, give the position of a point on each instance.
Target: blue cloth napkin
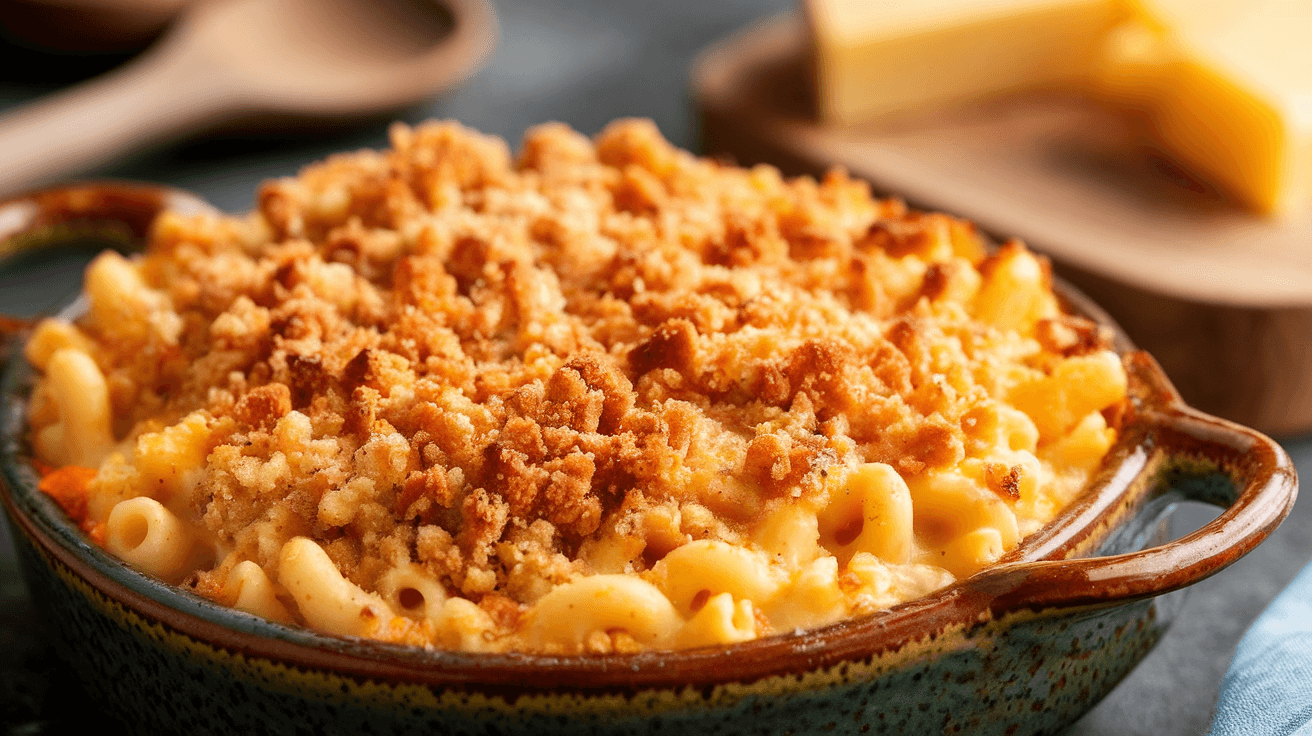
(1268, 690)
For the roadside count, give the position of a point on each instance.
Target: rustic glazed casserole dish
(1022, 647)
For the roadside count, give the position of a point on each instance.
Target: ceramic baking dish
(1022, 647)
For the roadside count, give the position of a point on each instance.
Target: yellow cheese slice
(876, 58)
(1228, 91)
(1130, 71)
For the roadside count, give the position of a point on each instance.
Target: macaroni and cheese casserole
(600, 397)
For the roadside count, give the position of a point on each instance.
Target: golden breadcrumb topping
(510, 373)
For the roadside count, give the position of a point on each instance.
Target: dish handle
(1198, 452)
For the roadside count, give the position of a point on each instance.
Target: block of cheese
(1228, 92)
(877, 58)
(1130, 70)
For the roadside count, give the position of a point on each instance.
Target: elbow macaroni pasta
(250, 590)
(606, 397)
(409, 591)
(869, 511)
(697, 570)
(150, 537)
(327, 600)
(81, 435)
(600, 604)
(722, 620)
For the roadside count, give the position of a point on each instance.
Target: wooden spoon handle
(151, 100)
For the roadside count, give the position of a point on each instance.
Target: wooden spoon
(230, 61)
(87, 26)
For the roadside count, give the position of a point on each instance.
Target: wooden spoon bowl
(228, 62)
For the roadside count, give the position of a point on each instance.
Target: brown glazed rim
(1035, 578)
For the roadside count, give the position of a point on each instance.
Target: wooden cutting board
(1222, 297)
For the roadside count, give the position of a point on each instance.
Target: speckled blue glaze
(1028, 675)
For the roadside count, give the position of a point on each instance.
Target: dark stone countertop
(584, 62)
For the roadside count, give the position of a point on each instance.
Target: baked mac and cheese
(605, 396)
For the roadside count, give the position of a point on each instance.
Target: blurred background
(583, 62)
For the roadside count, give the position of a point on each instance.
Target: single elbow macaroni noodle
(327, 600)
(250, 590)
(149, 536)
(869, 510)
(691, 573)
(412, 592)
(570, 613)
(82, 435)
(722, 620)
